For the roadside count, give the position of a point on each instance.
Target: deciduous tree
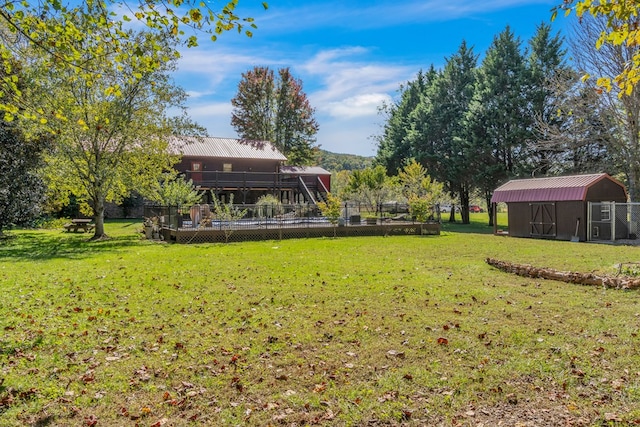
(267, 108)
(621, 29)
(112, 127)
(58, 32)
(332, 209)
(621, 106)
(174, 190)
(371, 186)
(581, 136)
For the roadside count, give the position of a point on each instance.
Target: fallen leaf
(609, 416)
(395, 353)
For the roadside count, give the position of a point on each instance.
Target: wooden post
(494, 213)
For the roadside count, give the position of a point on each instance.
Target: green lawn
(402, 330)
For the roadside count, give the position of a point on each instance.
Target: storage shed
(555, 207)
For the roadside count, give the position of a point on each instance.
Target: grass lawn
(402, 330)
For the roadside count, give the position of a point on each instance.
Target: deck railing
(220, 179)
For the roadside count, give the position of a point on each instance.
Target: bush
(269, 206)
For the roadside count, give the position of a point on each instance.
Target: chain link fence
(610, 221)
(271, 216)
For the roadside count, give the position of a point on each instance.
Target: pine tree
(498, 122)
(545, 64)
(438, 133)
(393, 145)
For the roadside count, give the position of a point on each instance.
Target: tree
(174, 190)
(21, 187)
(497, 121)
(295, 126)
(272, 109)
(545, 64)
(620, 30)
(227, 214)
(420, 191)
(253, 113)
(370, 186)
(580, 138)
(109, 143)
(438, 134)
(332, 209)
(58, 32)
(623, 108)
(416, 183)
(393, 145)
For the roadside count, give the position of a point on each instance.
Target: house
(557, 207)
(248, 170)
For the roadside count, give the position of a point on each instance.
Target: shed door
(543, 219)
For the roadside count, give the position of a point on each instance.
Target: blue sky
(351, 55)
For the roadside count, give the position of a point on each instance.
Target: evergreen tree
(545, 64)
(277, 110)
(438, 136)
(498, 120)
(393, 145)
(21, 188)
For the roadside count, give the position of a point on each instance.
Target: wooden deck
(216, 235)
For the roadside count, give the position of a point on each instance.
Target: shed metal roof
(230, 148)
(552, 189)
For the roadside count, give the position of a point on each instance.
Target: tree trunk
(634, 185)
(490, 207)
(464, 204)
(98, 210)
(452, 213)
(633, 165)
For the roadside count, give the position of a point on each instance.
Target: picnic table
(79, 224)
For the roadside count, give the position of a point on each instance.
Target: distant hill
(335, 162)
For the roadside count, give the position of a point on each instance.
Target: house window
(196, 166)
(605, 212)
(226, 167)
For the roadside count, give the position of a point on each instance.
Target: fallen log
(589, 279)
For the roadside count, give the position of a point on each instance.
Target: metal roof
(230, 148)
(552, 189)
(311, 170)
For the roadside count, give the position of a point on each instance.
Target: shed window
(605, 212)
(227, 167)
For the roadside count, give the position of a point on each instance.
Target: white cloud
(366, 104)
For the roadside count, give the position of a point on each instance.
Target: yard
(399, 330)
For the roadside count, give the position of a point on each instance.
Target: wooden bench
(76, 225)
